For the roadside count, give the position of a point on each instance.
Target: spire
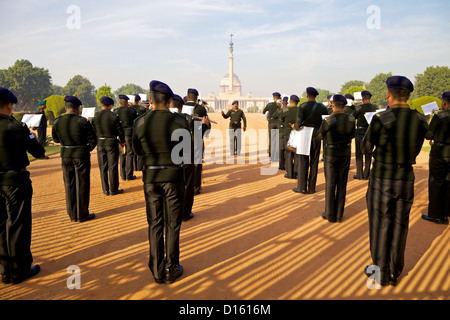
(231, 74)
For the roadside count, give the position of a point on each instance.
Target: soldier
(330, 104)
(77, 139)
(138, 164)
(309, 115)
(42, 128)
(350, 109)
(362, 161)
(188, 200)
(439, 180)
(337, 131)
(236, 115)
(108, 127)
(146, 105)
(15, 193)
(271, 108)
(163, 182)
(288, 118)
(281, 138)
(397, 135)
(127, 116)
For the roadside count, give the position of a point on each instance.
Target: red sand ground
(251, 238)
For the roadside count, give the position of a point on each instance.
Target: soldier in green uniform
(77, 139)
(42, 128)
(288, 118)
(236, 115)
(397, 135)
(309, 115)
(163, 182)
(271, 108)
(108, 128)
(330, 104)
(350, 109)
(127, 115)
(337, 131)
(138, 164)
(281, 138)
(439, 164)
(362, 161)
(15, 193)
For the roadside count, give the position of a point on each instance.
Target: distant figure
(236, 115)
(397, 135)
(271, 108)
(439, 164)
(281, 145)
(288, 118)
(138, 164)
(350, 109)
(42, 128)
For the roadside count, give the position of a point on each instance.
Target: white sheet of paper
(293, 139)
(369, 115)
(266, 115)
(357, 96)
(349, 102)
(32, 120)
(325, 116)
(303, 142)
(131, 97)
(88, 113)
(429, 108)
(187, 109)
(173, 110)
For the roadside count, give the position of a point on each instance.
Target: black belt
(103, 138)
(341, 146)
(362, 127)
(160, 167)
(393, 166)
(72, 147)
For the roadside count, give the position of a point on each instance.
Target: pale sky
(278, 45)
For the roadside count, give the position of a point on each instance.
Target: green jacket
(337, 130)
(43, 123)
(127, 115)
(235, 118)
(272, 107)
(439, 132)
(287, 118)
(108, 127)
(361, 121)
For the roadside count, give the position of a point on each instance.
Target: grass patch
(49, 151)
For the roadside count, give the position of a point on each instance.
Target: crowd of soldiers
(142, 138)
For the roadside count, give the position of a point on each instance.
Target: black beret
(285, 99)
(192, 91)
(107, 101)
(178, 98)
(329, 97)
(276, 94)
(294, 98)
(137, 97)
(339, 98)
(7, 96)
(124, 97)
(400, 82)
(349, 96)
(312, 91)
(366, 93)
(161, 87)
(235, 102)
(446, 95)
(73, 99)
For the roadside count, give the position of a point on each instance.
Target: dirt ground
(251, 238)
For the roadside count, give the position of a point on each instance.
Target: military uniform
(42, 129)
(15, 195)
(236, 116)
(288, 117)
(362, 161)
(337, 131)
(108, 129)
(273, 125)
(127, 116)
(397, 135)
(281, 137)
(309, 115)
(163, 186)
(77, 139)
(138, 164)
(439, 164)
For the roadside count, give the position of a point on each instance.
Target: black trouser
(362, 161)
(336, 169)
(198, 168)
(138, 163)
(41, 135)
(127, 160)
(309, 163)
(439, 188)
(282, 150)
(388, 205)
(235, 140)
(291, 164)
(108, 162)
(273, 148)
(15, 229)
(164, 215)
(77, 183)
(188, 200)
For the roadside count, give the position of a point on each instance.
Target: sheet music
(32, 120)
(187, 109)
(303, 142)
(88, 113)
(429, 108)
(369, 115)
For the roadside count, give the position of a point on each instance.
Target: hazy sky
(279, 45)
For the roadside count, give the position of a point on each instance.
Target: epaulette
(331, 120)
(387, 117)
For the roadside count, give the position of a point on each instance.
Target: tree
(55, 104)
(433, 82)
(129, 88)
(349, 84)
(354, 89)
(377, 87)
(56, 89)
(417, 104)
(29, 84)
(81, 88)
(104, 91)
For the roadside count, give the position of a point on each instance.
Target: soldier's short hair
(177, 103)
(159, 98)
(71, 105)
(401, 94)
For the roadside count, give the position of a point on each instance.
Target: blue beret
(161, 87)
(294, 98)
(446, 95)
(177, 98)
(285, 99)
(124, 97)
(137, 97)
(339, 98)
(107, 101)
(192, 91)
(235, 102)
(276, 94)
(312, 91)
(7, 96)
(400, 82)
(349, 96)
(73, 99)
(366, 93)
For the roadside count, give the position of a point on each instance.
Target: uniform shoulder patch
(331, 120)
(386, 117)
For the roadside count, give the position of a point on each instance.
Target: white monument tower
(231, 73)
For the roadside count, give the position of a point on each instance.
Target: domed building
(225, 85)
